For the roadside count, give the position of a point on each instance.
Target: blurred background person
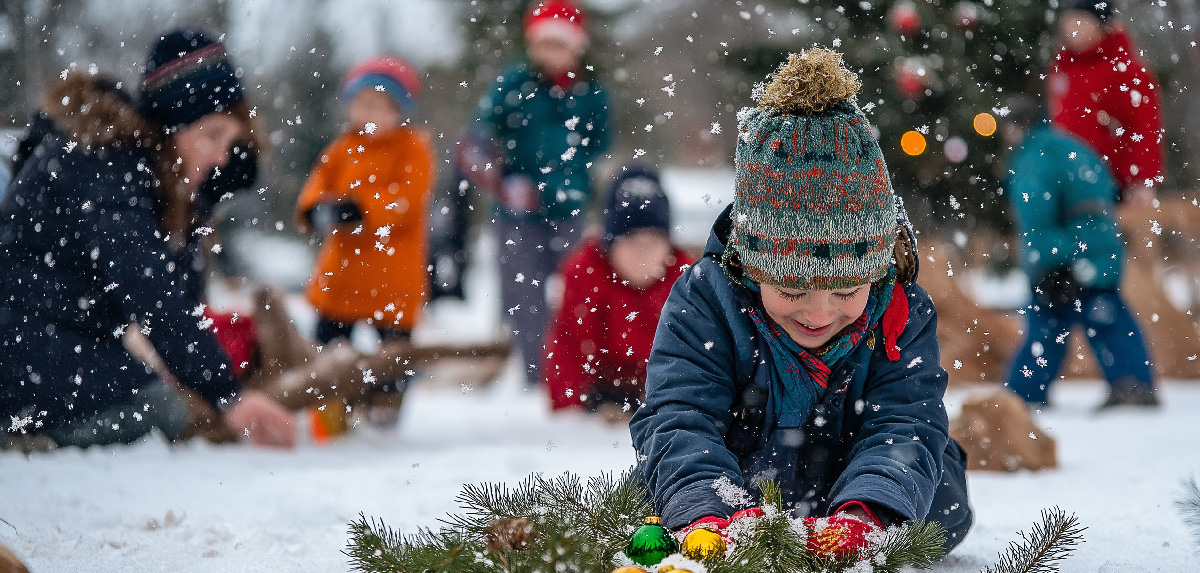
(367, 199)
(94, 233)
(536, 132)
(1063, 198)
(1101, 91)
(614, 288)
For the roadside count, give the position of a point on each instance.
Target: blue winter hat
(636, 201)
(188, 76)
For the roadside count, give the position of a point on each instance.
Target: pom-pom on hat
(387, 74)
(636, 201)
(813, 207)
(557, 18)
(188, 76)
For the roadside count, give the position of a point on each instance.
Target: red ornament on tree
(912, 78)
(965, 16)
(904, 18)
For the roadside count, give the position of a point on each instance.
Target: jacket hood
(93, 111)
(904, 252)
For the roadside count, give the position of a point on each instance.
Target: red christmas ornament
(904, 18)
(912, 78)
(965, 16)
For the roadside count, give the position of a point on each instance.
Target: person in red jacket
(1100, 90)
(614, 288)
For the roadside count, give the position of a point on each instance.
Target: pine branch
(619, 507)
(1044, 547)
(772, 495)
(775, 545)
(483, 503)
(918, 545)
(376, 548)
(1188, 504)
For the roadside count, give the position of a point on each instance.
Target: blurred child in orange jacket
(367, 196)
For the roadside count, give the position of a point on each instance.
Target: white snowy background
(198, 507)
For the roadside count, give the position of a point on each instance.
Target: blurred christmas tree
(934, 73)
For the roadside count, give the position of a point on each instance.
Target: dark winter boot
(1129, 392)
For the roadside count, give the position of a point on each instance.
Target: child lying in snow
(800, 349)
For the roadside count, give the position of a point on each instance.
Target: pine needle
(1188, 504)
(1041, 550)
(771, 493)
(918, 545)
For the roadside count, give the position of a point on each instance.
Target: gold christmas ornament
(629, 569)
(701, 544)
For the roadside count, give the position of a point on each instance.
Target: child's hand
(262, 420)
(842, 534)
(325, 216)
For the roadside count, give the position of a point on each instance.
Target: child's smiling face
(813, 317)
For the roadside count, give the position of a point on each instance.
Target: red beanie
(557, 18)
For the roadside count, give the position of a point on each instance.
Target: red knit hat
(558, 18)
(388, 74)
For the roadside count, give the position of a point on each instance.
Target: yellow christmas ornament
(701, 544)
(629, 569)
(672, 569)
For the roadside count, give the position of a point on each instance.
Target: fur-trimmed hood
(93, 111)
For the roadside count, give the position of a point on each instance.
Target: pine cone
(506, 534)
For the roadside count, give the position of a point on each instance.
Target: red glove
(843, 533)
(706, 537)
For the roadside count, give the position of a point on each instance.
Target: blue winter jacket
(879, 434)
(83, 254)
(547, 134)
(1064, 195)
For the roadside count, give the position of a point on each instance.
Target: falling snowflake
(715, 128)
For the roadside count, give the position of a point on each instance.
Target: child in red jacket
(614, 288)
(1099, 89)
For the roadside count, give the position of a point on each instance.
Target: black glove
(447, 276)
(325, 216)
(1059, 288)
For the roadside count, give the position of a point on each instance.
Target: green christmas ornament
(651, 543)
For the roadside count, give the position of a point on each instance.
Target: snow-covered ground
(197, 507)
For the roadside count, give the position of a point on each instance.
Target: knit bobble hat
(388, 74)
(557, 18)
(636, 201)
(188, 76)
(813, 206)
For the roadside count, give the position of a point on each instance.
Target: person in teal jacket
(1063, 198)
(537, 131)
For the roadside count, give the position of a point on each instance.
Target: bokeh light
(985, 124)
(956, 150)
(912, 142)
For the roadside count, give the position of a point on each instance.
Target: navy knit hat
(813, 206)
(188, 76)
(636, 201)
(1101, 9)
